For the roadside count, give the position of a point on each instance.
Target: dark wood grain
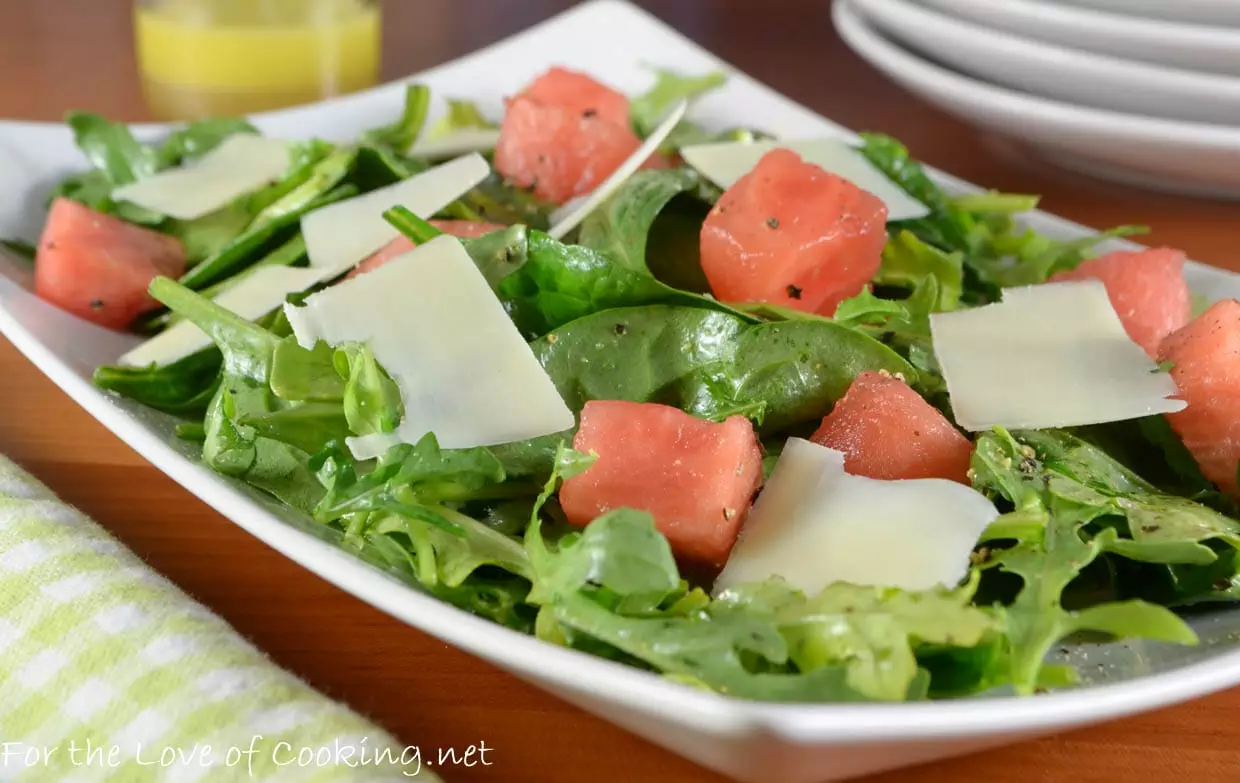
(78, 54)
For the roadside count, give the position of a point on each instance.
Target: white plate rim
(612, 682)
(884, 54)
(1053, 58)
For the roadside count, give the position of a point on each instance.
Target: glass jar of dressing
(201, 58)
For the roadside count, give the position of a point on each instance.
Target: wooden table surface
(77, 54)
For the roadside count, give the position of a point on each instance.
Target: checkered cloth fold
(108, 672)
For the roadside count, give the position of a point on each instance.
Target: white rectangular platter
(747, 741)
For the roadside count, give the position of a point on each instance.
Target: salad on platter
(777, 418)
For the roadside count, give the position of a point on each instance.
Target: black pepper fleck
(96, 304)
(772, 222)
(621, 328)
(590, 113)
(1149, 528)
(793, 291)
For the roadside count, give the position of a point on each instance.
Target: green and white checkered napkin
(108, 672)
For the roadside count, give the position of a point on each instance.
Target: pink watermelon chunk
(557, 152)
(465, 229)
(1146, 288)
(792, 234)
(887, 431)
(1206, 368)
(695, 477)
(580, 94)
(99, 267)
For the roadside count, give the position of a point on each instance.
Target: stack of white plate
(1141, 91)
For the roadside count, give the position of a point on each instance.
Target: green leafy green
(461, 115)
(620, 227)
(274, 225)
(372, 402)
(712, 364)
(232, 447)
(20, 248)
(997, 251)
(1059, 486)
(200, 137)
(184, 387)
(649, 108)
(402, 133)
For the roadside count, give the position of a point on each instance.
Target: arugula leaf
(997, 251)
(200, 137)
(1058, 481)
(232, 447)
(872, 632)
(274, 224)
(299, 375)
(401, 134)
(462, 115)
(647, 109)
(372, 401)
(111, 148)
(909, 262)
(207, 235)
(497, 201)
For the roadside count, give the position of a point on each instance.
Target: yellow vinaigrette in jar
(202, 58)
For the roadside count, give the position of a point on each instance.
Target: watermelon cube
(465, 229)
(99, 267)
(791, 234)
(1146, 288)
(1206, 368)
(887, 431)
(696, 478)
(580, 94)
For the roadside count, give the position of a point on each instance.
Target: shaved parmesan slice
(344, 233)
(814, 524)
(569, 216)
(464, 371)
(241, 164)
(725, 162)
(456, 143)
(1051, 355)
(251, 297)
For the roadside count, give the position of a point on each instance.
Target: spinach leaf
(402, 133)
(712, 364)
(647, 109)
(200, 137)
(207, 235)
(545, 283)
(1060, 486)
(641, 354)
(184, 387)
(621, 227)
(791, 373)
